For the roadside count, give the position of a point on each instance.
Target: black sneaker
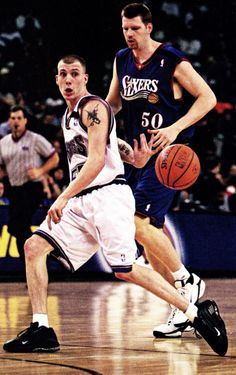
(33, 339)
(211, 326)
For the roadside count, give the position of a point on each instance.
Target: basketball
(177, 166)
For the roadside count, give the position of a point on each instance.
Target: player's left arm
(96, 119)
(126, 152)
(138, 156)
(205, 100)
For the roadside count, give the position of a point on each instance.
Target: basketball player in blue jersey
(95, 210)
(149, 79)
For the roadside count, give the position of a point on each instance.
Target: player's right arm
(205, 100)
(113, 97)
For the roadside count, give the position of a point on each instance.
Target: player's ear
(86, 77)
(56, 78)
(149, 27)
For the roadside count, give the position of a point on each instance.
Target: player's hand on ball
(163, 137)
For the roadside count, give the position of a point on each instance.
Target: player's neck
(142, 54)
(72, 103)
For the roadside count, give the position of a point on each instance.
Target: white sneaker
(192, 289)
(176, 324)
(177, 321)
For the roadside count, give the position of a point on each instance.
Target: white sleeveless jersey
(76, 142)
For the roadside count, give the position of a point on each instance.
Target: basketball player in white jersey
(95, 211)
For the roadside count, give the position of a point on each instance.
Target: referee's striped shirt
(29, 151)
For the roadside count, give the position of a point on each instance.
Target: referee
(25, 157)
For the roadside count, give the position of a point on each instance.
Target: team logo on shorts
(122, 257)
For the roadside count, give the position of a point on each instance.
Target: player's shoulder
(123, 53)
(174, 52)
(93, 109)
(91, 100)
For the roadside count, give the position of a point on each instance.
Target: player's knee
(126, 276)
(141, 233)
(144, 228)
(30, 248)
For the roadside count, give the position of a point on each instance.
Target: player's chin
(132, 45)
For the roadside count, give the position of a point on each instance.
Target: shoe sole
(50, 350)
(173, 334)
(161, 335)
(25, 350)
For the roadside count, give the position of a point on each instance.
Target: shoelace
(30, 328)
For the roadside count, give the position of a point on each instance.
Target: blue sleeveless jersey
(147, 96)
(148, 103)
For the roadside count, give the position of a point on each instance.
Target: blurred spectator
(48, 127)
(60, 179)
(59, 146)
(4, 129)
(230, 180)
(3, 199)
(209, 189)
(232, 203)
(227, 123)
(6, 101)
(51, 190)
(230, 191)
(53, 185)
(171, 8)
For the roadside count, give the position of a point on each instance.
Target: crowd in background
(32, 39)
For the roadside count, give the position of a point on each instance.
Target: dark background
(93, 30)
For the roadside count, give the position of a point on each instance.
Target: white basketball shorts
(102, 219)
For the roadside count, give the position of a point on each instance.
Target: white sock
(42, 319)
(181, 274)
(191, 312)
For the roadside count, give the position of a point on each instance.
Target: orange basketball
(177, 166)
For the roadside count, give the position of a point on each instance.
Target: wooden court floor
(106, 328)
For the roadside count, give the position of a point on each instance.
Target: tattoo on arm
(93, 116)
(123, 149)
